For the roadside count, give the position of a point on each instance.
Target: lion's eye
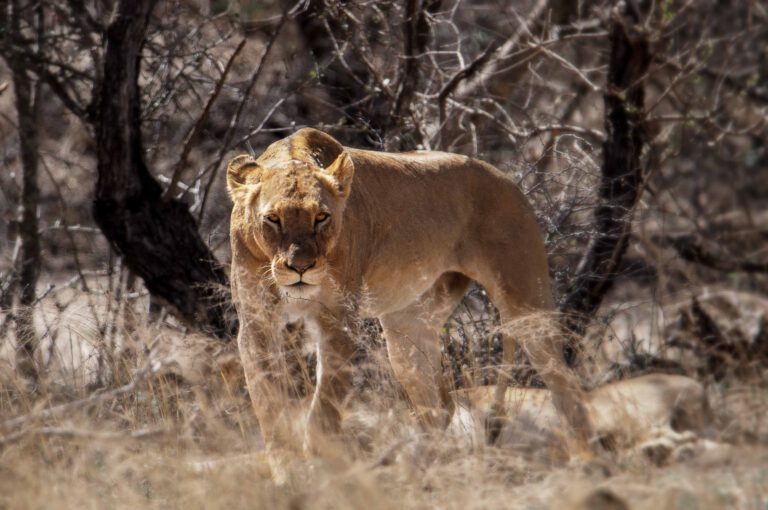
(322, 217)
(273, 218)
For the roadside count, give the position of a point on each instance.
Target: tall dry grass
(168, 425)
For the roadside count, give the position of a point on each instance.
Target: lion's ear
(241, 171)
(342, 170)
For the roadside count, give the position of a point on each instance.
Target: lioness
(624, 413)
(331, 234)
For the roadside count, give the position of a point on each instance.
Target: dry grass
(152, 440)
(157, 442)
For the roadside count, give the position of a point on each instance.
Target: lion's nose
(301, 266)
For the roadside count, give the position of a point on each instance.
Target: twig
(483, 67)
(71, 228)
(63, 205)
(567, 65)
(178, 168)
(523, 31)
(50, 288)
(754, 93)
(524, 134)
(691, 248)
(240, 108)
(141, 376)
(91, 435)
(465, 73)
(260, 127)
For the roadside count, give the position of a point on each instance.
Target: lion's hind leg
(522, 296)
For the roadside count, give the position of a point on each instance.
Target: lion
(330, 234)
(653, 413)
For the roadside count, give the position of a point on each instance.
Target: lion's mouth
(299, 290)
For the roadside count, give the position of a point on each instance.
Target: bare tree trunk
(29, 260)
(416, 36)
(621, 180)
(26, 92)
(157, 238)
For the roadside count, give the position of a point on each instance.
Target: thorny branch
(235, 121)
(194, 131)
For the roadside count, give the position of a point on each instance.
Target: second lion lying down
(646, 411)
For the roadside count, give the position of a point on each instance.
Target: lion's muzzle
(300, 281)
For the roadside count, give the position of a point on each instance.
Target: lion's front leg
(335, 353)
(270, 381)
(265, 357)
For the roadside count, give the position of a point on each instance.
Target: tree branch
(181, 162)
(692, 248)
(235, 121)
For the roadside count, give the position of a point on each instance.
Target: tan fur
(644, 411)
(404, 236)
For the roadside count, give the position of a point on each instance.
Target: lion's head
(292, 200)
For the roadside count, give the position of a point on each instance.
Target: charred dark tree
(622, 174)
(158, 238)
